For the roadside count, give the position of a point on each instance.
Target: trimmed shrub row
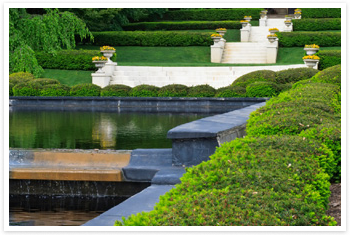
(317, 24)
(146, 26)
(152, 38)
(300, 39)
(267, 179)
(213, 14)
(329, 58)
(321, 13)
(69, 59)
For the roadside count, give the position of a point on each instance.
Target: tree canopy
(49, 32)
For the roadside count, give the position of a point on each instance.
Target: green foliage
(55, 90)
(202, 91)
(186, 25)
(256, 76)
(20, 77)
(328, 58)
(26, 89)
(116, 90)
(86, 89)
(321, 12)
(69, 59)
(11, 85)
(173, 90)
(330, 75)
(43, 81)
(284, 87)
(49, 32)
(317, 24)
(213, 14)
(231, 91)
(271, 181)
(294, 75)
(152, 38)
(262, 89)
(300, 39)
(144, 91)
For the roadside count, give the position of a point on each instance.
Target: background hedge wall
(153, 38)
(329, 58)
(300, 39)
(317, 24)
(214, 14)
(321, 12)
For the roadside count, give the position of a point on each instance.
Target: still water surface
(82, 130)
(93, 130)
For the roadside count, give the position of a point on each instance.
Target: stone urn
(216, 39)
(271, 38)
(248, 18)
(311, 62)
(108, 54)
(244, 23)
(221, 32)
(287, 23)
(311, 51)
(297, 15)
(273, 31)
(288, 17)
(99, 64)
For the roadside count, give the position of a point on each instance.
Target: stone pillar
(288, 29)
(109, 68)
(216, 53)
(263, 21)
(245, 33)
(101, 79)
(272, 51)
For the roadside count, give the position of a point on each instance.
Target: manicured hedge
(86, 89)
(173, 90)
(331, 75)
(116, 90)
(262, 89)
(26, 89)
(55, 90)
(152, 38)
(256, 76)
(186, 25)
(300, 39)
(231, 91)
(144, 91)
(328, 58)
(321, 12)
(69, 59)
(202, 91)
(294, 75)
(213, 14)
(20, 77)
(278, 175)
(317, 24)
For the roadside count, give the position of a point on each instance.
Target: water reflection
(90, 130)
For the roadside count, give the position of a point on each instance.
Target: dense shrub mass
(330, 75)
(173, 90)
(55, 90)
(294, 75)
(86, 89)
(231, 91)
(278, 175)
(300, 39)
(202, 91)
(152, 38)
(116, 90)
(329, 58)
(262, 89)
(20, 77)
(43, 81)
(144, 91)
(26, 89)
(256, 76)
(213, 14)
(317, 24)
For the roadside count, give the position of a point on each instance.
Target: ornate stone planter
(297, 15)
(287, 23)
(248, 18)
(288, 17)
(99, 64)
(108, 54)
(311, 62)
(216, 39)
(244, 23)
(311, 51)
(272, 38)
(273, 31)
(221, 31)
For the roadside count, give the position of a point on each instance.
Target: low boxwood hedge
(26, 89)
(294, 75)
(20, 77)
(43, 81)
(202, 91)
(173, 90)
(144, 91)
(262, 89)
(116, 90)
(330, 75)
(321, 12)
(55, 90)
(86, 89)
(231, 91)
(256, 76)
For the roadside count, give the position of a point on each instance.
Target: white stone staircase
(254, 51)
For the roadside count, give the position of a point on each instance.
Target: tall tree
(50, 32)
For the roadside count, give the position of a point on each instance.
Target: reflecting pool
(93, 130)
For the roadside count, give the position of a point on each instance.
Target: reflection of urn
(99, 64)
(105, 131)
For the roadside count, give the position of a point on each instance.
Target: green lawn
(69, 77)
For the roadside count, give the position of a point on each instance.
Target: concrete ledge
(195, 141)
(141, 202)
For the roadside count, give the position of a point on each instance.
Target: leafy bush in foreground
(202, 91)
(55, 90)
(144, 91)
(256, 76)
(262, 89)
(116, 90)
(231, 91)
(20, 77)
(86, 89)
(330, 75)
(294, 75)
(329, 58)
(25, 89)
(173, 90)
